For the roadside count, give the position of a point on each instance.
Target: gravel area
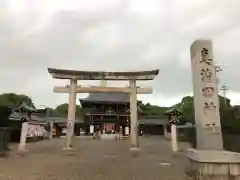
(95, 160)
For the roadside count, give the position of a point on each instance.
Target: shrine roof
(106, 97)
(26, 107)
(99, 75)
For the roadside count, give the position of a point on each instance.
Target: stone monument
(209, 161)
(207, 117)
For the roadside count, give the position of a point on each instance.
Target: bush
(232, 127)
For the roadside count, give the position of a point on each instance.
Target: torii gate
(73, 89)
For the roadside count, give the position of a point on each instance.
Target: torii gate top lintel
(99, 75)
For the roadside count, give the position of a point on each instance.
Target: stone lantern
(173, 115)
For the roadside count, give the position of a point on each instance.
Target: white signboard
(91, 129)
(64, 130)
(127, 130)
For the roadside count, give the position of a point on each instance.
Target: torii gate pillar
(134, 118)
(71, 113)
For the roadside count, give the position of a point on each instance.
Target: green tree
(235, 112)
(187, 108)
(62, 110)
(152, 110)
(51, 112)
(12, 100)
(224, 103)
(230, 119)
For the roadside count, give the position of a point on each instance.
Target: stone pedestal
(23, 137)
(174, 137)
(213, 165)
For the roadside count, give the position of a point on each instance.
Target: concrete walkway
(95, 160)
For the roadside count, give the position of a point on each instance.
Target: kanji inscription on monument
(206, 75)
(209, 106)
(208, 91)
(206, 105)
(205, 59)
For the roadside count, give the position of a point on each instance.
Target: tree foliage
(63, 110)
(230, 115)
(187, 108)
(152, 110)
(12, 100)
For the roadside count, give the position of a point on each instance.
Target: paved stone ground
(95, 160)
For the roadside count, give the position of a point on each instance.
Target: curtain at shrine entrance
(109, 128)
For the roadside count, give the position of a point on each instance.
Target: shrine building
(109, 113)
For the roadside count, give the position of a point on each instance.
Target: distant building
(110, 113)
(107, 113)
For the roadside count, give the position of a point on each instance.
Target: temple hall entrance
(109, 128)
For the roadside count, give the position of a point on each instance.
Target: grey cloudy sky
(115, 35)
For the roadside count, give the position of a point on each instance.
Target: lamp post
(224, 88)
(217, 69)
(173, 120)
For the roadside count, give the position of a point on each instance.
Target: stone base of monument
(213, 165)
